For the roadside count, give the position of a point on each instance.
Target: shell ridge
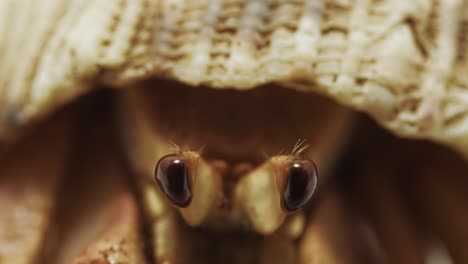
(403, 62)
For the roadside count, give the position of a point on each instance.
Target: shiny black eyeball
(300, 185)
(173, 177)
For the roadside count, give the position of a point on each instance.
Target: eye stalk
(173, 177)
(301, 181)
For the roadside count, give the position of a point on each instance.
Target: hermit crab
(233, 131)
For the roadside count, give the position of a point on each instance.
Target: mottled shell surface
(403, 62)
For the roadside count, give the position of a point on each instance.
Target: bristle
(176, 148)
(299, 147)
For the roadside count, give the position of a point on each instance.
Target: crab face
(231, 160)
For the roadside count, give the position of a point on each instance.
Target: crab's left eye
(173, 177)
(301, 182)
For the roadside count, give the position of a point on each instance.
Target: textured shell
(403, 62)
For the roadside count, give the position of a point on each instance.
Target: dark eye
(300, 184)
(172, 175)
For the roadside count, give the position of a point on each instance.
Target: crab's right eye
(300, 184)
(173, 177)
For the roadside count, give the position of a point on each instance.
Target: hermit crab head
(221, 156)
(181, 176)
(221, 108)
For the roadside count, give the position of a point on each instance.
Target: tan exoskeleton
(229, 161)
